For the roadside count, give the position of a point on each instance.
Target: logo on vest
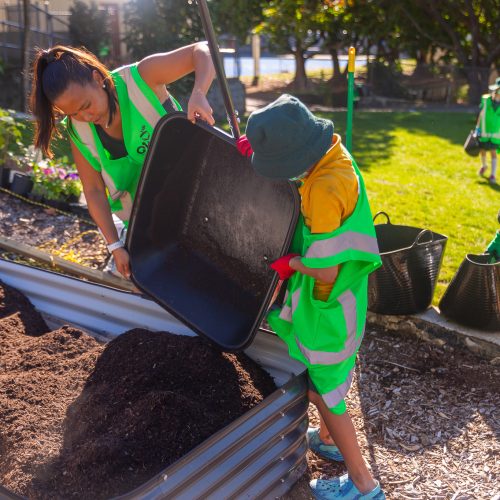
(144, 137)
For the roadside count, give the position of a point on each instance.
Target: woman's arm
(97, 202)
(158, 70)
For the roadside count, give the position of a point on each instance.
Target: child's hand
(244, 146)
(282, 266)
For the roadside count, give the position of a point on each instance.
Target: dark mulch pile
(86, 420)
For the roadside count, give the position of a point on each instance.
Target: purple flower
(72, 176)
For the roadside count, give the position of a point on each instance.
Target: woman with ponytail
(109, 117)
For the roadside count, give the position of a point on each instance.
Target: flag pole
(350, 96)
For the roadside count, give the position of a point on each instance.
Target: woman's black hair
(53, 70)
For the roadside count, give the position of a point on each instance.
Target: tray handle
(208, 28)
(421, 234)
(388, 221)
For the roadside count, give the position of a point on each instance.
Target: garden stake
(350, 96)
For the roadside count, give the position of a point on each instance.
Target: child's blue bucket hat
(286, 138)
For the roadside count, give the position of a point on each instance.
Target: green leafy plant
(56, 180)
(10, 136)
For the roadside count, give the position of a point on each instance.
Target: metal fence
(46, 29)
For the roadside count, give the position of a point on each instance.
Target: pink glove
(244, 146)
(282, 266)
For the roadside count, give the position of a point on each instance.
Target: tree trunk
(335, 62)
(26, 46)
(300, 80)
(477, 78)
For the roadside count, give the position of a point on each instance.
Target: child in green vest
(110, 117)
(493, 249)
(488, 129)
(334, 249)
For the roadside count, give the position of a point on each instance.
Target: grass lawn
(415, 169)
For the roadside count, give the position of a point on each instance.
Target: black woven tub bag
(473, 295)
(471, 144)
(411, 261)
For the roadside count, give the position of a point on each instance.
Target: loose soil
(81, 419)
(51, 231)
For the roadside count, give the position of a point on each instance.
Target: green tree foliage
(468, 32)
(161, 26)
(88, 27)
(293, 26)
(237, 17)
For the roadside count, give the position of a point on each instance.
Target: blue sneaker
(328, 451)
(342, 488)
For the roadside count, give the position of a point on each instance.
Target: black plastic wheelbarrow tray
(205, 226)
(411, 261)
(473, 295)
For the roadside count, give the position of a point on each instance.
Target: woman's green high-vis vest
(490, 121)
(325, 335)
(140, 110)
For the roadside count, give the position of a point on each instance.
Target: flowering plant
(56, 180)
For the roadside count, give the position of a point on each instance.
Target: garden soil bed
(82, 419)
(54, 232)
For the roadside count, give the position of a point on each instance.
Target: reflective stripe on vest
(348, 302)
(87, 137)
(138, 98)
(341, 243)
(287, 311)
(334, 397)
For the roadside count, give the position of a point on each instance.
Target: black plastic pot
(473, 295)
(5, 177)
(22, 184)
(411, 260)
(59, 204)
(204, 229)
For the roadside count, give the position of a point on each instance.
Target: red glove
(244, 146)
(282, 266)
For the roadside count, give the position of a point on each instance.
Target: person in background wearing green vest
(488, 129)
(110, 117)
(493, 249)
(334, 249)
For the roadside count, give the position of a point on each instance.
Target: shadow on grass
(485, 182)
(374, 137)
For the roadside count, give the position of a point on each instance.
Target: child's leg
(493, 165)
(484, 165)
(324, 433)
(342, 431)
